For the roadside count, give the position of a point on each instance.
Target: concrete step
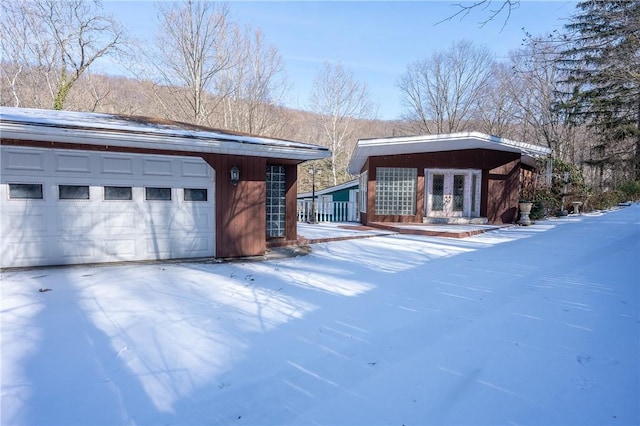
(456, 220)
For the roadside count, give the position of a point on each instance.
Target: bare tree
(54, 41)
(338, 99)
(535, 86)
(194, 43)
(497, 109)
(441, 94)
(493, 10)
(254, 87)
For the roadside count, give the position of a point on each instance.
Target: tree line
(576, 91)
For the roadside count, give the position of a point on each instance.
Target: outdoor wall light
(235, 175)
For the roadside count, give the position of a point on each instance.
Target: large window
(25, 191)
(396, 191)
(276, 201)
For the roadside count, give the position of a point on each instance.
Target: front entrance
(452, 193)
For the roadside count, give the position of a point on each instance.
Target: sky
(376, 40)
(535, 325)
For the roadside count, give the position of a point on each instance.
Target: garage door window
(195, 194)
(117, 193)
(25, 191)
(157, 194)
(73, 192)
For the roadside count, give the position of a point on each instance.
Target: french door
(452, 193)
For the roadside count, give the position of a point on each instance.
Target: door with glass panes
(452, 193)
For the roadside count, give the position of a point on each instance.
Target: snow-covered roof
(350, 184)
(143, 132)
(366, 148)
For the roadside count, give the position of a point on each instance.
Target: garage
(84, 187)
(73, 206)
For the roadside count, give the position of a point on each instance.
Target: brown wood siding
(240, 210)
(498, 168)
(503, 185)
(291, 176)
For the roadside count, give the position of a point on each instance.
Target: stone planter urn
(525, 210)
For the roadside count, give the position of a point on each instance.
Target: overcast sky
(375, 40)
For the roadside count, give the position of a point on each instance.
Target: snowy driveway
(536, 325)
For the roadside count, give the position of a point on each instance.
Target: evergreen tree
(602, 58)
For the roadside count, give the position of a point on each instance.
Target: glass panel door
(437, 193)
(452, 193)
(458, 193)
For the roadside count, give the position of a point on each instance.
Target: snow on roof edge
(100, 123)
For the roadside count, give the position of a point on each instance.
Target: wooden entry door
(452, 193)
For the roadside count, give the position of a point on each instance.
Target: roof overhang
(144, 133)
(350, 184)
(366, 148)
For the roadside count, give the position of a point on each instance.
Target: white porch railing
(332, 211)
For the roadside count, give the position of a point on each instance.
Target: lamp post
(313, 171)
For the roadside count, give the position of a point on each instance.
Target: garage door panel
(194, 245)
(72, 162)
(120, 248)
(191, 168)
(118, 222)
(16, 161)
(72, 221)
(17, 224)
(117, 165)
(80, 250)
(27, 252)
(157, 167)
(200, 221)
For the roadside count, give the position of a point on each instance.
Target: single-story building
(84, 187)
(337, 203)
(452, 178)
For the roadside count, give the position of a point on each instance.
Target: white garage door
(66, 207)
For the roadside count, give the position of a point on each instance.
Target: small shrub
(630, 190)
(545, 203)
(605, 199)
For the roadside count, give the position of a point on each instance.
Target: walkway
(326, 232)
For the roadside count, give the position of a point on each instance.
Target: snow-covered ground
(523, 325)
